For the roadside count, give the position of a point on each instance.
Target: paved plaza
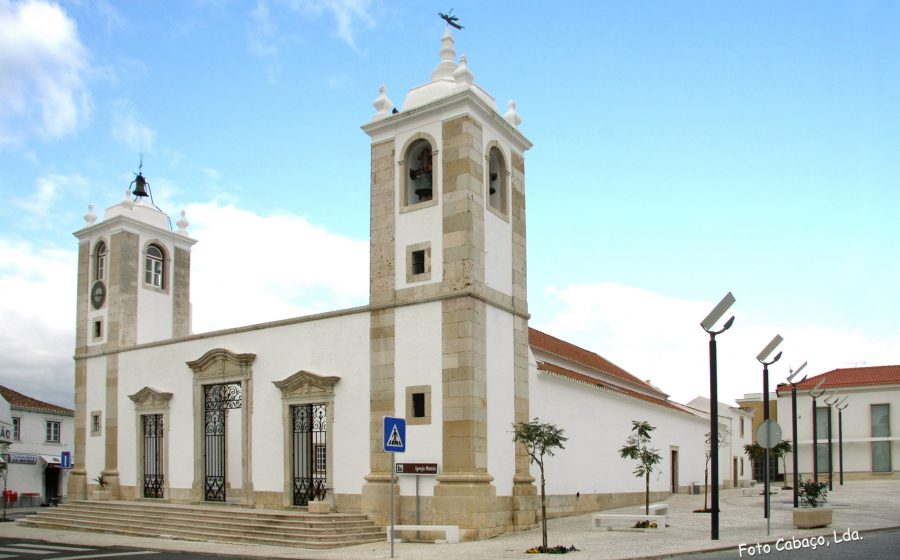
(858, 506)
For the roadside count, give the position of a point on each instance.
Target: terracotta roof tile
(851, 377)
(24, 402)
(569, 351)
(588, 380)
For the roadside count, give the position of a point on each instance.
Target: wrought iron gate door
(153, 450)
(216, 400)
(310, 452)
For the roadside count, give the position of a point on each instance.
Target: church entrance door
(153, 460)
(310, 452)
(217, 399)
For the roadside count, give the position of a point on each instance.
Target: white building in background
(735, 468)
(41, 432)
(870, 426)
(444, 342)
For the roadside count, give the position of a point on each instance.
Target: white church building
(275, 415)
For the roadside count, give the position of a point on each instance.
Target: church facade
(288, 413)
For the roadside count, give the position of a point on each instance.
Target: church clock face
(98, 294)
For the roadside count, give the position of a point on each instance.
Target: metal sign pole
(768, 497)
(392, 505)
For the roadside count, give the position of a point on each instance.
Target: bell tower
(448, 298)
(133, 288)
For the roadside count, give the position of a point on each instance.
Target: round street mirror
(768, 434)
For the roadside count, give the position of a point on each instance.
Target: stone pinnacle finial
(182, 224)
(446, 66)
(511, 116)
(90, 217)
(462, 74)
(382, 105)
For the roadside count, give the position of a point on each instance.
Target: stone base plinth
(811, 518)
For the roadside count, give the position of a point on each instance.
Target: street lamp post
(762, 359)
(815, 394)
(841, 406)
(830, 401)
(795, 449)
(707, 325)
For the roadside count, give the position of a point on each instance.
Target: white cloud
(49, 190)
(42, 64)
(248, 268)
(262, 34)
(348, 14)
(37, 331)
(657, 337)
(129, 129)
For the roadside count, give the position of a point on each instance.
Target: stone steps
(233, 524)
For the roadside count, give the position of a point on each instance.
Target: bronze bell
(139, 184)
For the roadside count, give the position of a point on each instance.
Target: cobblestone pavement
(858, 506)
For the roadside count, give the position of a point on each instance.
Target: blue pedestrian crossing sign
(394, 434)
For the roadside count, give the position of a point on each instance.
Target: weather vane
(450, 19)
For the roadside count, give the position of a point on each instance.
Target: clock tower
(133, 288)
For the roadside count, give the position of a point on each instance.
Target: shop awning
(51, 460)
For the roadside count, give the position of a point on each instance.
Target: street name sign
(416, 468)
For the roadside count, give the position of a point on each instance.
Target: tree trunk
(647, 494)
(543, 513)
(705, 486)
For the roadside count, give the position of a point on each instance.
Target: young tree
(780, 451)
(723, 441)
(637, 447)
(757, 453)
(539, 439)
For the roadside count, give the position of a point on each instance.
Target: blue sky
(681, 150)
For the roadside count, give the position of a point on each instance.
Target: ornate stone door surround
(223, 366)
(149, 401)
(303, 388)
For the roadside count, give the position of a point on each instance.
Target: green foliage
(812, 493)
(539, 439)
(755, 451)
(637, 447)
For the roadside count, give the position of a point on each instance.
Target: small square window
(418, 401)
(98, 329)
(96, 425)
(418, 404)
(418, 262)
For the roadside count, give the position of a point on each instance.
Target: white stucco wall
(95, 399)
(597, 424)
(336, 346)
(29, 478)
(418, 355)
(857, 428)
(500, 399)
(155, 315)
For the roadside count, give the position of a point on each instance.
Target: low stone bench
(758, 491)
(604, 521)
(450, 531)
(657, 509)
